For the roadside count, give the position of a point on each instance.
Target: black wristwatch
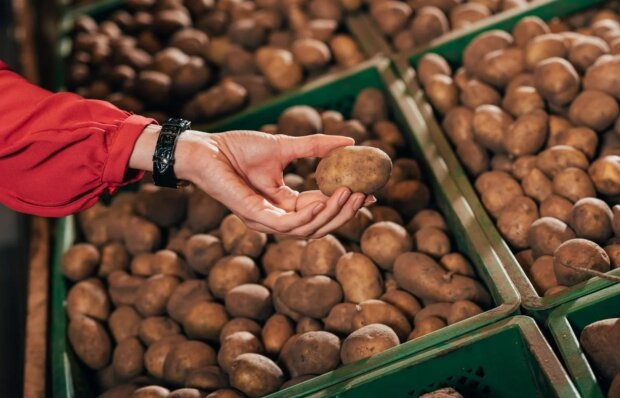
(163, 158)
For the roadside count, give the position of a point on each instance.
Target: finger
(284, 197)
(317, 145)
(333, 207)
(283, 222)
(347, 212)
(370, 200)
(307, 197)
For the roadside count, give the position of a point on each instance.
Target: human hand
(244, 171)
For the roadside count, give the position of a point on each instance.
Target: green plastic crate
(535, 305)
(566, 323)
(509, 359)
(69, 381)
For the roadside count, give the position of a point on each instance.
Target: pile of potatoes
(534, 118)
(600, 341)
(170, 291)
(415, 23)
(206, 58)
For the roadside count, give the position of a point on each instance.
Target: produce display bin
(509, 359)
(69, 380)
(535, 305)
(102, 8)
(566, 323)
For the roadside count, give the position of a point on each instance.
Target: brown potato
(603, 356)
(307, 324)
(458, 124)
(409, 197)
(300, 120)
(542, 274)
(461, 310)
(205, 320)
(484, 44)
(185, 393)
(591, 219)
(203, 212)
(476, 93)
(542, 48)
(466, 14)
(123, 323)
(383, 242)
(605, 174)
(522, 100)
(527, 28)
(340, 318)
(249, 301)
(556, 80)
(80, 261)
(581, 138)
(154, 328)
(457, 263)
(599, 76)
(141, 236)
(153, 295)
(286, 255)
(426, 326)
(442, 93)
(151, 392)
(123, 288)
(202, 251)
(239, 240)
(230, 272)
(367, 341)
(580, 254)
(403, 301)
(515, 219)
(384, 214)
(497, 189)
(255, 375)
(240, 325)
(527, 134)
(594, 109)
(499, 67)
(431, 64)
(522, 166)
(345, 50)
(573, 184)
(127, 358)
(359, 277)
(369, 107)
(428, 23)
(312, 54)
(311, 353)
(553, 160)
(225, 97)
(586, 50)
(185, 295)
(320, 256)
(420, 275)
(114, 257)
(164, 207)
(537, 186)
(377, 311)
(489, 124)
(354, 228)
(474, 157)
(390, 16)
(312, 296)
(431, 241)
(88, 298)
(90, 342)
(546, 234)
(236, 344)
(277, 330)
(184, 357)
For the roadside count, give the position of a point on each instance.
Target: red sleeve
(60, 152)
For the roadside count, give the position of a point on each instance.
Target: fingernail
(359, 201)
(318, 208)
(370, 201)
(343, 197)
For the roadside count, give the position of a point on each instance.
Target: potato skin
(546, 234)
(384, 241)
(88, 298)
(230, 272)
(277, 330)
(369, 107)
(515, 220)
(312, 353)
(340, 317)
(255, 375)
(127, 358)
(377, 311)
(156, 353)
(359, 277)
(591, 218)
(361, 169)
(312, 296)
(367, 341)
(236, 344)
(403, 301)
(152, 297)
(604, 357)
(186, 356)
(80, 261)
(249, 300)
(205, 320)
(580, 253)
(605, 174)
(321, 255)
(542, 274)
(90, 342)
(202, 251)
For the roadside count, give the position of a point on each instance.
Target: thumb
(317, 145)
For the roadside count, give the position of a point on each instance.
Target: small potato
(497, 189)
(405, 302)
(527, 134)
(277, 330)
(476, 93)
(431, 64)
(123, 323)
(123, 288)
(594, 109)
(153, 87)
(591, 218)
(484, 44)
(542, 274)
(141, 236)
(427, 218)
(284, 256)
(501, 162)
(151, 392)
(499, 67)
(377, 311)
(367, 341)
(114, 257)
(474, 157)
(153, 295)
(185, 295)
(458, 124)
(206, 378)
(236, 344)
(353, 229)
(605, 174)
(389, 133)
(556, 80)
(312, 54)
(390, 16)
(345, 50)
(155, 328)
(205, 320)
(581, 138)
(88, 298)
(581, 254)
(300, 120)
(361, 169)
(127, 358)
(184, 357)
(442, 93)
(383, 242)
(546, 234)
(426, 326)
(573, 184)
(281, 284)
(428, 23)
(80, 261)
(528, 28)
(522, 166)
(613, 251)
(537, 186)
(359, 277)
(230, 272)
(586, 50)
(202, 251)
(90, 342)
(203, 212)
(185, 393)
(320, 256)
(431, 241)
(489, 124)
(340, 318)
(515, 219)
(461, 310)
(542, 48)
(420, 275)
(466, 14)
(239, 240)
(249, 301)
(225, 97)
(312, 296)
(560, 157)
(384, 214)
(255, 375)
(312, 353)
(457, 263)
(164, 207)
(240, 325)
(603, 356)
(306, 324)
(522, 100)
(409, 197)
(167, 262)
(599, 76)
(369, 107)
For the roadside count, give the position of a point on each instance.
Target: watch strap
(163, 158)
